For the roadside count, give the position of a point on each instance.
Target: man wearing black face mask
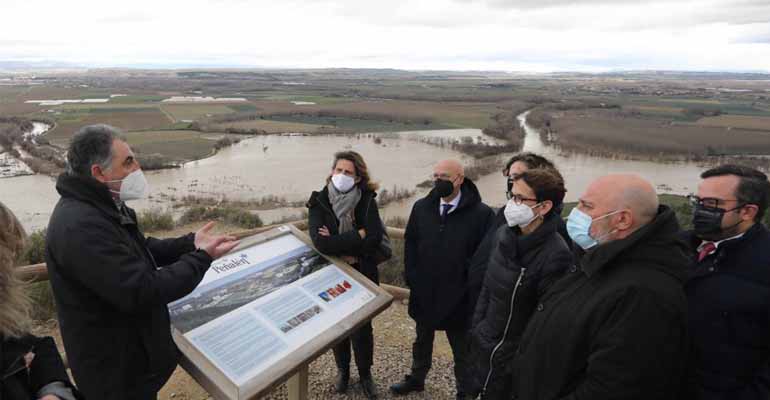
(443, 232)
(728, 288)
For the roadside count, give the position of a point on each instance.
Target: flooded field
(291, 166)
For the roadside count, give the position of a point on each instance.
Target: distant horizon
(23, 65)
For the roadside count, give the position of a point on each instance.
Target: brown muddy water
(291, 166)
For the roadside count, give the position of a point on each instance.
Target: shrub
(152, 162)
(225, 142)
(396, 222)
(392, 271)
(43, 303)
(395, 194)
(230, 215)
(35, 250)
(155, 220)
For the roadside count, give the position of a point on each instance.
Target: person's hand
(324, 231)
(362, 233)
(50, 397)
(349, 259)
(215, 245)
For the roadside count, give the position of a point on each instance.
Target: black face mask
(443, 188)
(707, 221)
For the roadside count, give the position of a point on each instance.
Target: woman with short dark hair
(30, 367)
(343, 221)
(528, 254)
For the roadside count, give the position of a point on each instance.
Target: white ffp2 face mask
(343, 183)
(134, 186)
(519, 215)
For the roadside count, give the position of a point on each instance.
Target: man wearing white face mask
(527, 255)
(614, 327)
(111, 284)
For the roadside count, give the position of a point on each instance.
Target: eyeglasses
(509, 184)
(708, 202)
(518, 199)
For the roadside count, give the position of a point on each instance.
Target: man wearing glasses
(728, 287)
(442, 234)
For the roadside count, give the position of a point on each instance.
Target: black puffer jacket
(615, 328)
(728, 295)
(508, 297)
(111, 286)
(366, 216)
(478, 269)
(20, 383)
(437, 255)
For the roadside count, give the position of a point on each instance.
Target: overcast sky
(510, 35)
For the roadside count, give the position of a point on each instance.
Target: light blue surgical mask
(579, 228)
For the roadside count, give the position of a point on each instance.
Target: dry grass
(673, 111)
(610, 132)
(456, 114)
(737, 121)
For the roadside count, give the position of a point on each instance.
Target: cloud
(23, 42)
(752, 34)
(125, 18)
(759, 39)
(428, 34)
(539, 4)
(635, 14)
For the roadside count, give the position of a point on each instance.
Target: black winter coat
(615, 328)
(20, 383)
(478, 268)
(365, 215)
(111, 286)
(437, 255)
(729, 314)
(508, 297)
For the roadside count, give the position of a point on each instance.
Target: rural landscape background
(267, 125)
(235, 108)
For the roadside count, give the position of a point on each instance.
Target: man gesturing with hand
(110, 282)
(214, 245)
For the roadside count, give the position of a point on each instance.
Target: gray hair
(91, 145)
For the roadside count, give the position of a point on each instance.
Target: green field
(177, 146)
(193, 112)
(133, 99)
(242, 107)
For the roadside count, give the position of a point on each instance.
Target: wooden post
(298, 384)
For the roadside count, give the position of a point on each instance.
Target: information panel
(267, 308)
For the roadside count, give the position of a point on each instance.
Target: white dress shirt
(454, 203)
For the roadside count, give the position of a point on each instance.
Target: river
(293, 166)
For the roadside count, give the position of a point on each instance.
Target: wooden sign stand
(293, 368)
